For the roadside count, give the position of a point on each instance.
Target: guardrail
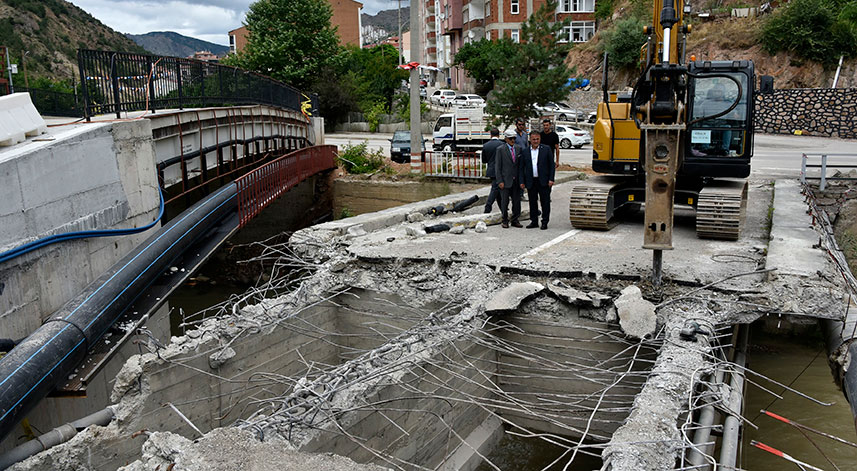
(118, 81)
(453, 164)
(54, 103)
(259, 188)
(804, 165)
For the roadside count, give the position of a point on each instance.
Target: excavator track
(720, 210)
(590, 205)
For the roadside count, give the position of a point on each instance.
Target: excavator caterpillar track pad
(721, 209)
(590, 206)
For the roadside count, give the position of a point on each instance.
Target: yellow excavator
(683, 136)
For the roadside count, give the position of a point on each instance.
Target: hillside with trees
(799, 42)
(169, 43)
(52, 31)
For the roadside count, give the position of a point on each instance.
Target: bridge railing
(259, 188)
(119, 81)
(454, 164)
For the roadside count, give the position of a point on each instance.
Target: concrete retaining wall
(825, 112)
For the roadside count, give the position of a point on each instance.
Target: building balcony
(431, 35)
(430, 6)
(430, 20)
(431, 50)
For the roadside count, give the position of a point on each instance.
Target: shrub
(623, 42)
(603, 9)
(819, 30)
(358, 159)
(373, 115)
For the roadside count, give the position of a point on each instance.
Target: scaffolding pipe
(59, 435)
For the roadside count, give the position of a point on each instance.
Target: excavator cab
(719, 139)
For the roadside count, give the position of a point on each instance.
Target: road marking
(550, 243)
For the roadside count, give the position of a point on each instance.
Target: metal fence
(114, 82)
(823, 166)
(262, 186)
(453, 164)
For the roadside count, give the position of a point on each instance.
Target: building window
(488, 34)
(576, 6)
(581, 31)
(516, 37)
(487, 8)
(564, 34)
(514, 7)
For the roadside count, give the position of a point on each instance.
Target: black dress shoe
(505, 225)
(532, 225)
(544, 226)
(517, 224)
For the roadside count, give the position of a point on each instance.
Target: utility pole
(400, 32)
(416, 56)
(24, 60)
(9, 69)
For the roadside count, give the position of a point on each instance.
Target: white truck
(463, 129)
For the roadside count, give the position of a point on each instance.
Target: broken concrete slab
(636, 315)
(481, 227)
(457, 230)
(416, 217)
(232, 448)
(510, 297)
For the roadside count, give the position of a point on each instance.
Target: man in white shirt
(537, 176)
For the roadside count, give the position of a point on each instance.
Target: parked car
(400, 147)
(442, 96)
(593, 116)
(562, 111)
(570, 136)
(423, 92)
(467, 100)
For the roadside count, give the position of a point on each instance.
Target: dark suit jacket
(507, 172)
(545, 166)
(489, 150)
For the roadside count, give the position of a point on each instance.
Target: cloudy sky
(208, 20)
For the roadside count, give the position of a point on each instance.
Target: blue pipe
(37, 244)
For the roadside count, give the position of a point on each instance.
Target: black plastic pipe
(46, 358)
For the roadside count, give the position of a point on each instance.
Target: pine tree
(535, 72)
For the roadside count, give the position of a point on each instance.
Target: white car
(467, 100)
(442, 97)
(570, 136)
(562, 111)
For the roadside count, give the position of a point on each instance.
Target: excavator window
(715, 130)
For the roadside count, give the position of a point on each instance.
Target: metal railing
(259, 188)
(453, 164)
(118, 81)
(804, 165)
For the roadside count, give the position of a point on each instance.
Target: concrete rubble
(452, 295)
(636, 315)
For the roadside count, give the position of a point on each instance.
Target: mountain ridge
(170, 43)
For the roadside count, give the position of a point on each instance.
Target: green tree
(375, 73)
(484, 61)
(535, 72)
(289, 40)
(819, 30)
(623, 41)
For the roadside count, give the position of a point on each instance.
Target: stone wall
(824, 112)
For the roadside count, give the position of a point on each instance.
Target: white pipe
(666, 54)
(838, 69)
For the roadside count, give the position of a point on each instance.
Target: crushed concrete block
(568, 294)
(598, 299)
(636, 315)
(416, 217)
(481, 227)
(457, 230)
(355, 231)
(510, 297)
(220, 357)
(414, 232)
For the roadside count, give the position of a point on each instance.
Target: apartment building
(449, 24)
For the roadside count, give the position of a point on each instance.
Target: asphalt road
(774, 155)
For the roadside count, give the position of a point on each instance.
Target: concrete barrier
(19, 119)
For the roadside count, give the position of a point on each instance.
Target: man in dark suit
(489, 150)
(507, 162)
(537, 176)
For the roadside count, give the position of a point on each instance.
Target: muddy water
(804, 366)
